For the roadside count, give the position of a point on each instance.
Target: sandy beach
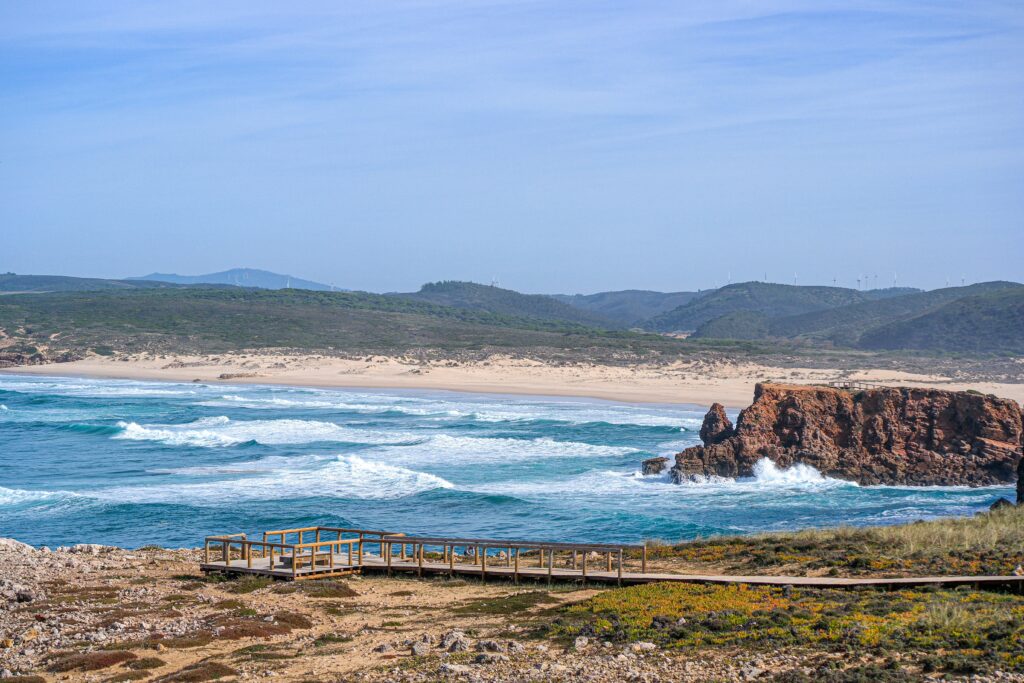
(700, 382)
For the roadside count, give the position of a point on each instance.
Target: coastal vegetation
(989, 543)
(506, 302)
(149, 613)
(985, 318)
(768, 299)
(116, 322)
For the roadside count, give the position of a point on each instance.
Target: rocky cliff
(875, 436)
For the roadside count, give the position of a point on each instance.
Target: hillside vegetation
(987, 323)
(216, 320)
(768, 299)
(12, 283)
(981, 318)
(475, 297)
(629, 307)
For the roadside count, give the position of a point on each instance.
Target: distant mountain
(628, 307)
(908, 321)
(769, 300)
(473, 296)
(11, 283)
(239, 277)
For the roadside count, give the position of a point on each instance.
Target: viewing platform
(320, 552)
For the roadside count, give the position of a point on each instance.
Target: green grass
(941, 630)
(990, 543)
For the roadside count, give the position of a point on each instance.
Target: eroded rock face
(878, 436)
(717, 427)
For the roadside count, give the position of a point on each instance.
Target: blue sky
(558, 146)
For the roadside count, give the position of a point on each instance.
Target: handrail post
(248, 554)
(643, 562)
(620, 566)
(515, 570)
(206, 551)
(483, 564)
(609, 560)
(420, 561)
(551, 562)
(584, 568)
(359, 554)
(451, 562)
(225, 549)
(389, 557)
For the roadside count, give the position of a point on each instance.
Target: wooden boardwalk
(385, 552)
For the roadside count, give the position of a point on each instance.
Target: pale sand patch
(700, 382)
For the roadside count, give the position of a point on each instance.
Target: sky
(556, 146)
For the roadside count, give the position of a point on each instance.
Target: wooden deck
(516, 561)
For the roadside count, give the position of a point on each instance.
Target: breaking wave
(346, 476)
(213, 432)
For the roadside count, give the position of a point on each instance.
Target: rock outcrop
(875, 436)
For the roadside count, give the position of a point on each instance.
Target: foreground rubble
(96, 613)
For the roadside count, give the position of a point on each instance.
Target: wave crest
(221, 431)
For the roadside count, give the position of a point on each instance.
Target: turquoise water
(134, 463)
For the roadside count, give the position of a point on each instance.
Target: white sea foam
(767, 476)
(22, 496)
(482, 411)
(448, 449)
(3, 407)
(222, 431)
(346, 476)
(100, 388)
(271, 463)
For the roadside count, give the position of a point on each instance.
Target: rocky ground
(105, 614)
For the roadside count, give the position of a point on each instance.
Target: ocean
(137, 463)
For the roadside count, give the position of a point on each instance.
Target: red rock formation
(876, 436)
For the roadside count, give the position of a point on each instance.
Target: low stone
(383, 648)
(653, 466)
(489, 646)
(644, 646)
(515, 648)
(15, 546)
(420, 649)
(489, 658)
(453, 669)
(581, 642)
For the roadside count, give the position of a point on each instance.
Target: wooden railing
(320, 548)
(478, 550)
(855, 385)
(293, 555)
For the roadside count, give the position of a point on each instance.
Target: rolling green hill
(880, 324)
(629, 307)
(771, 300)
(12, 283)
(475, 297)
(224, 319)
(991, 322)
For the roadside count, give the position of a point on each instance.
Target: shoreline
(697, 383)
